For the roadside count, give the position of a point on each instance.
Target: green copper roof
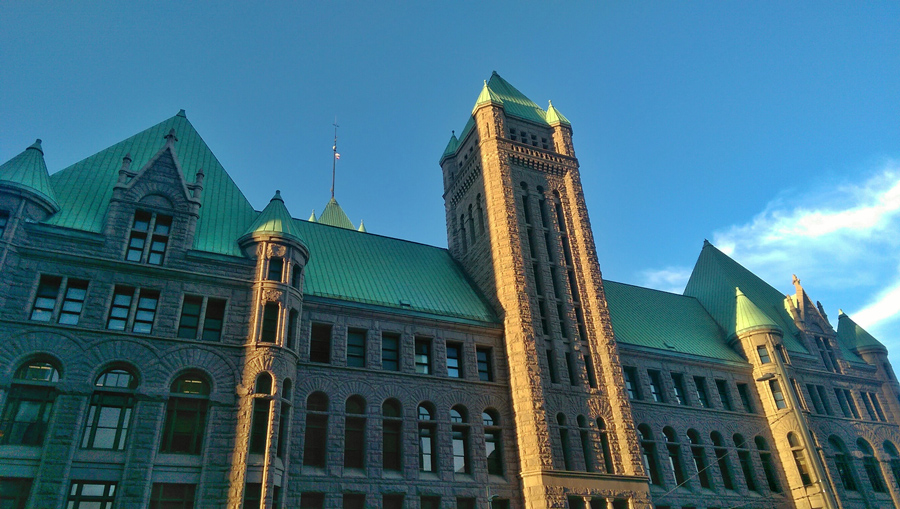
(713, 281)
(555, 117)
(488, 96)
(452, 145)
(362, 226)
(371, 269)
(334, 215)
(275, 218)
(854, 336)
(312, 216)
(85, 188)
(748, 316)
(665, 321)
(515, 104)
(28, 171)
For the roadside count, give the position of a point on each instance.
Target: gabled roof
(371, 269)
(853, 336)
(28, 171)
(748, 316)
(85, 188)
(665, 321)
(713, 281)
(334, 215)
(275, 218)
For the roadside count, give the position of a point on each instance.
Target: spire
(334, 215)
(555, 117)
(27, 172)
(312, 217)
(854, 336)
(274, 220)
(335, 158)
(452, 145)
(488, 96)
(362, 227)
(748, 316)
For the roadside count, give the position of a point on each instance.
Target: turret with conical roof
(855, 337)
(749, 317)
(25, 176)
(274, 220)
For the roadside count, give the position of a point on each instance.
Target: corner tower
(518, 223)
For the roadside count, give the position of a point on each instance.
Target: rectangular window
(777, 395)
(172, 496)
(354, 501)
(45, 300)
(120, 308)
(763, 353)
(656, 388)
(795, 385)
(744, 393)
(824, 397)
(48, 293)
(253, 496)
(190, 317)
(851, 403)
(551, 365)
(465, 503)
(816, 400)
(702, 396)
(392, 502)
(14, 492)
(284, 421)
(356, 348)
(589, 367)
(4, 222)
(91, 495)
(276, 265)
(73, 301)
(160, 239)
(724, 395)
(392, 445)
(108, 420)
(296, 275)
(138, 238)
(454, 360)
(144, 222)
(310, 500)
(631, 383)
(390, 352)
(293, 318)
(430, 503)
(485, 364)
(146, 311)
(259, 426)
(423, 356)
(213, 320)
(320, 343)
(570, 367)
(355, 442)
(461, 463)
(269, 329)
(680, 392)
(316, 439)
(190, 324)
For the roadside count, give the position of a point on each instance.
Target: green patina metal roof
(371, 269)
(853, 336)
(362, 227)
(452, 145)
(275, 218)
(487, 96)
(85, 188)
(665, 321)
(334, 215)
(713, 281)
(515, 104)
(28, 172)
(748, 316)
(555, 117)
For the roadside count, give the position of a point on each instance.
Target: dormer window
(150, 225)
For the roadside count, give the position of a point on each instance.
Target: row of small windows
(85, 494)
(423, 350)
(584, 436)
(843, 463)
(355, 447)
(819, 402)
(316, 500)
(701, 396)
(528, 138)
(474, 224)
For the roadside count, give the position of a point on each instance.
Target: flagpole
(334, 157)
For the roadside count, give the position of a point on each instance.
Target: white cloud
(884, 307)
(669, 279)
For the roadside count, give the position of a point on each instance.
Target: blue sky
(770, 128)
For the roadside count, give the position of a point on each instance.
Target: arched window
(842, 463)
(315, 445)
(355, 433)
(587, 449)
(799, 459)
(109, 415)
(873, 469)
(284, 418)
(765, 457)
(459, 429)
(186, 414)
(493, 445)
(722, 460)
(481, 224)
(604, 445)
(699, 456)
(564, 441)
(674, 449)
(462, 233)
(894, 461)
(648, 453)
(427, 442)
(30, 403)
(744, 458)
(259, 422)
(392, 435)
(264, 383)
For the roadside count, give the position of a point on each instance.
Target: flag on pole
(337, 156)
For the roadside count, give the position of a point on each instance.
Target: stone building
(165, 345)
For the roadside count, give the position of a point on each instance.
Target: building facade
(166, 345)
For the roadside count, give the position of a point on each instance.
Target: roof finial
(336, 157)
(37, 146)
(170, 138)
(796, 281)
(453, 133)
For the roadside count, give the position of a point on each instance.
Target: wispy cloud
(669, 279)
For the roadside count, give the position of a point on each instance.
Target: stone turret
(25, 190)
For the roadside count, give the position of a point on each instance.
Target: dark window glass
(320, 343)
(73, 301)
(259, 427)
(29, 405)
(746, 464)
(724, 396)
(253, 496)
(430, 503)
(109, 415)
(485, 364)
(680, 392)
(454, 364)
(14, 491)
(284, 421)
(186, 415)
(190, 317)
(269, 332)
(744, 393)
(392, 502)
(355, 433)
(699, 456)
(570, 367)
(138, 239)
(146, 311)
(465, 503)
(427, 444)
(656, 388)
(765, 457)
(392, 444)
(215, 317)
(763, 353)
(312, 500)
(800, 459)
(91, 495)
(423, 356)
(702, 396)
(160, 239)
(631, 386)
(390, 352)
(316, 439)
(551, 366)
(45, 300)
(589, 367)
(648, 454)
(4, 222)
(604, 445)
(356, 348)
(275, 268)
(172, 496)
(296, 274)
(674, 450)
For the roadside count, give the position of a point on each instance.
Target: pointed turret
(274, 220)
(854, 336)
(452, 145)
(749, 317)
(555, 117)
(312, 216)
(362, 227)
(334, 215)
(26, 174)
(488, 96)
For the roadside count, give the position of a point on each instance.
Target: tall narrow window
(160, 241)
(744, 393)
(73, 301)
(186, 415)
(423, 356)
(631, 385)
(744, 458)
(45, 299)
(454, 357)
(678, 385)
(427, 445)
(765, 457)
(604, 446)
(814, 397)
(120, 308)
(259, 426)
(648, 454)
(763, 353)
(276, 267)
(355, 433)
(842, 463)
(799, 459)
(293, 318)
(894, 460)
(872, 467)
(284, 419)
(320, 343)
(146, 311)
(356, 348)
(392, 435)
(269, 330)
(493, 443)
(589, 368)
(315, 443)
(172, 496)
(674, 450)
(29, 404)
(91, 495)
(777, 395)
(551, 365)
(702, 396)
(213, 320)
(842, 402)
(296, 276)
(570, 368)
(724, 395)
(157, 227)
(14, 491)
(656, 388)
(851, 403)
(722, 460)
(824, 397)
(390, 352)
(138, 239)
(190, 317)
(587, 449)
(485, 364)
(460, 440)
(564, 441)
(109, 416)
(698, 454)
(253, 496)
(4, 222)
